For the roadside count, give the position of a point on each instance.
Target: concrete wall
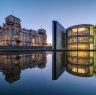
(58, 34)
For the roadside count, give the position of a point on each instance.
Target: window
(72, 60)
(83, 54)
(72, 46)
(69, 32)
(91, 39)
(83, 61)
(81, 29)
(74, 32)
(91, 54)
(72, 53)
(83, 39)
(83, 46)
(91, 61)
(91, 30)
(80, 32)
(72, 40)
(91, 46)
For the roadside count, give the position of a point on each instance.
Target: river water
(48, 73)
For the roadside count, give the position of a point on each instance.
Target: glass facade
(80, 37)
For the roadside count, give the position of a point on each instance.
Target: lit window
(79, 70)
(69, 32)
(83, 54)
(91, 61)
(72, 53)
(91, 54)
(83, 39)
(91, 70)
(72, 40)
(81, 29)
(83, 46)
(91, 30)
(91, 39)
(91, 46)
(74, 30)
(73, 46)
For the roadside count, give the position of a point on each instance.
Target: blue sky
(35, 13)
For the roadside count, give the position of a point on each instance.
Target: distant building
(12, 34)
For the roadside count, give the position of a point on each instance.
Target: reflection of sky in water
(37, 81)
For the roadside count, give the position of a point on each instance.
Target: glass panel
(69, 32)
(81, 29)
(72, 60)
(91, 54)
(91, 30)
(72, 54)
(74, 39)
(74, 32)
(72, 46)
(91, 61)
(83, 54)
(91, 70)
(87, 30)
(83, 39)
(83, 46)
(91, 46)
(83, 61)
(91, 39)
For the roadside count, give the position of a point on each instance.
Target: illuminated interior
(81, 54)
(80, 70)
(72, 46)
(81, 37)
(82, 61)
(83, 46)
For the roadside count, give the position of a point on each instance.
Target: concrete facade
(12, 34)
(59, 36)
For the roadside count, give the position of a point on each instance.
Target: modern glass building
(77, 37)
(81, 37)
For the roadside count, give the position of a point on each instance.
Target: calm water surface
(48, 73)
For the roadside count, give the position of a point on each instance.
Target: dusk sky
(35, 13)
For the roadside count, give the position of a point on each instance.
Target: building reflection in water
(58, 64)
(79, 63)
(11, 65)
